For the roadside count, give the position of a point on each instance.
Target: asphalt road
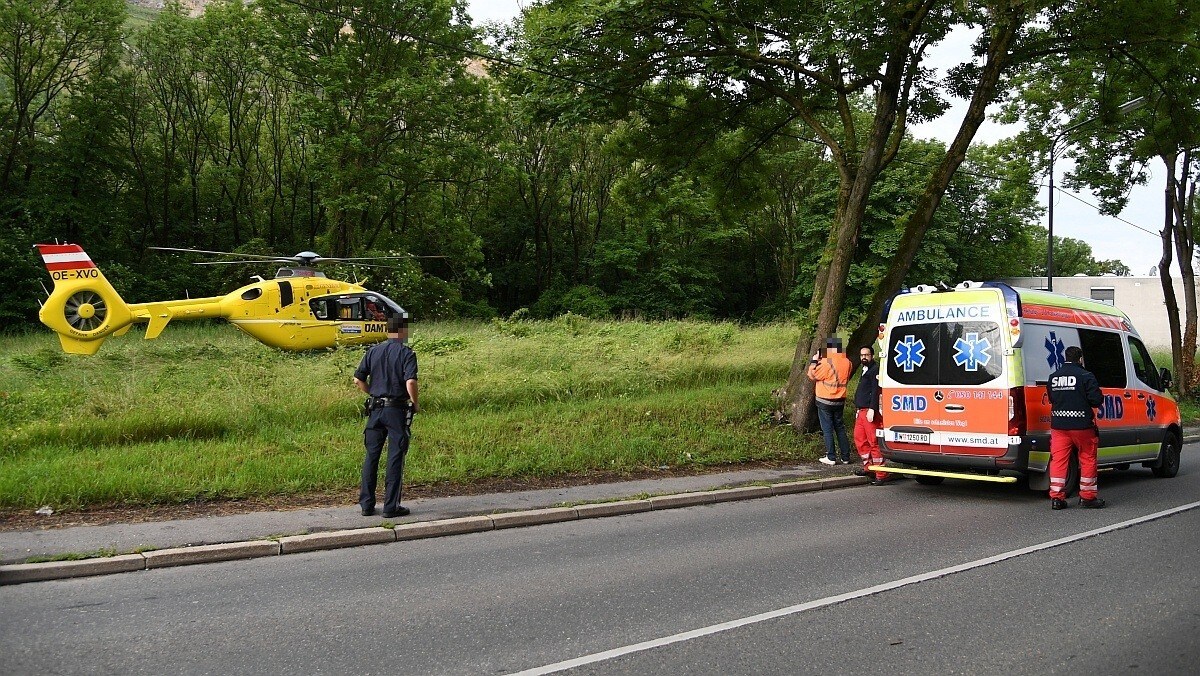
(507, 601)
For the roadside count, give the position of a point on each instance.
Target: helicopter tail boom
(83, 309)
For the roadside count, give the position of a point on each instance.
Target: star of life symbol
(910, 354)
(1151, 408)
(1054, 349)
(971, 352)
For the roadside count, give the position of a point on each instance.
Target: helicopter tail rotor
(83, 309)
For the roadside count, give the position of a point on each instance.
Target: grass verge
(206, 413)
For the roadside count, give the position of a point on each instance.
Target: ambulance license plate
(913, 437)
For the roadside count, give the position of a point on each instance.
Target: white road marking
(848, 596)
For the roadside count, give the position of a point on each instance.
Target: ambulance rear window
(949, 353)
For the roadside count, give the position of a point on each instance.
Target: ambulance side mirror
(1164, 376)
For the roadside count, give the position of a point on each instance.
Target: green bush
(515, 325)
(586, 301)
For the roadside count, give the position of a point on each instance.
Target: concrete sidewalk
(19, 546)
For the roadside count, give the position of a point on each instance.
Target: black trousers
(384, 423)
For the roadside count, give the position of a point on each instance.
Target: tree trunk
(830, 293)
(1164, 273)
(1185, 244)
(918, 222)
(799, 394)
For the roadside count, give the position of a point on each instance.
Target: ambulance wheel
(1168, 458)
(1073, 476)
(928, 480)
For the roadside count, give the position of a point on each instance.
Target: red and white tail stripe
(64, 257)
(1072, 316)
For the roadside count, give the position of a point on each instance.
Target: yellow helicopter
(300, 309)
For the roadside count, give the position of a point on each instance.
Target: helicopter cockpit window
(349, 308)
(375, 310)
(369, 307)
(321, 308)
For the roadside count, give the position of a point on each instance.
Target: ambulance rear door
(945, 384)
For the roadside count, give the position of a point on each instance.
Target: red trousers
(1062, 443)
(867, 442)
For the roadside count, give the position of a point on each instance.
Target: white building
(1139, 297)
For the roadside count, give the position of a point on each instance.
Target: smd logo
(909, 402)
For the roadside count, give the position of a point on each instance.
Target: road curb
(618, 508)
(337, 539)
(443, 527)
(182, 556)
(790, 487)
(57, 570)
(533, 517)
(186, 556)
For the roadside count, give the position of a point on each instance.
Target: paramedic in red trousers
(831, 371)
(1074, 392)
(867, 418)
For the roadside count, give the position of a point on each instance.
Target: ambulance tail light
(1016, 412)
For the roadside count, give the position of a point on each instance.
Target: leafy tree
(231, 60)
(1154, 56)
(385, 99)
(47, 47)
(170, 115)
(53, 54)
(803, 62)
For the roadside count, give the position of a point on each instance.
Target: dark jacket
(867, 394)
(1074, 392)
(387, 367)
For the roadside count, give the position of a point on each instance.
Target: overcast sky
(1109, 237)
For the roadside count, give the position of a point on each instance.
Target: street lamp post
(1127, 107)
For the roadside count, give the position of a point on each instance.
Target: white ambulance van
(963, 377)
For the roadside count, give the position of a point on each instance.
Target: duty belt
(384, 402)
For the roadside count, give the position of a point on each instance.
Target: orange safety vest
(831, 375)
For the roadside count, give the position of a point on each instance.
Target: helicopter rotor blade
(374, 258)
(372, 265)
(304, 259)
(216, 253)
(284, 261)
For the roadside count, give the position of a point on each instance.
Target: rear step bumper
(949, 475)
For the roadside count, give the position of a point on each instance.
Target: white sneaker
(826, 461)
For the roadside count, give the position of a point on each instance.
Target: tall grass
(204, 412)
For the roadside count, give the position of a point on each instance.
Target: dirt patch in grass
(12, 520)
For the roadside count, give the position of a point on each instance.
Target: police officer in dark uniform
(1074, 392)
(388, 374)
